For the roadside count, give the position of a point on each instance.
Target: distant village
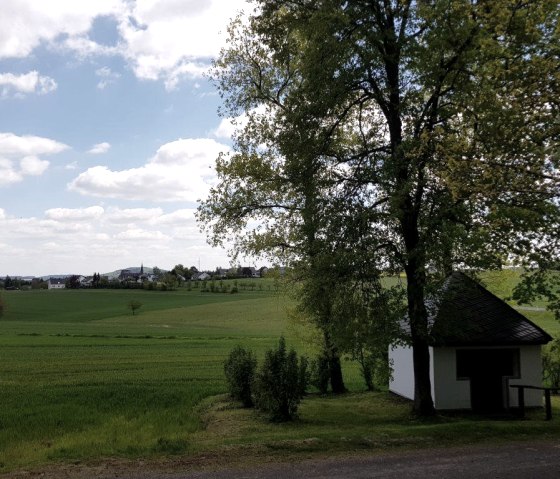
(136, 277)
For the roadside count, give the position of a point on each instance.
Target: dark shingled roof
(466, 314)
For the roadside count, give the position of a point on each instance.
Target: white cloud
(12, 145)
(14, 85)
(228, 126)
(8, 172)
(19, 156)
(174, 39)
(71, 166)
(75, 214)
(83, 47)
(83, 240)
(25, 24)
(107, 76)
(33, 166)
(133, 215)
(225, 129)
(166, 40)
(140, 234)
(100, 148)
(178, 217)
(181, 170)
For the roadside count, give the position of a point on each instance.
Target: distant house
(221, 273)
(56, 283)
(479, 347)
(201, 276)
(128, 275)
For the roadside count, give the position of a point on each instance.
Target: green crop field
(81, 379)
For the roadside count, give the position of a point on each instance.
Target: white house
(56, 283)
(480, 346)
(203, 277)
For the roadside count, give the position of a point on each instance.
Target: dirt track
(511, 461)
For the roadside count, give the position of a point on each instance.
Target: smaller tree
(73, 282)
(281, 382)
(239, 369)
(169, 282)
(156, 272)
(551, 364)
(2, 306)
(134, 305)
(180, 272)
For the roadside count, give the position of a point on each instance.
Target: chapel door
(488, 371)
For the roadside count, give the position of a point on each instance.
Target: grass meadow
(82, 379)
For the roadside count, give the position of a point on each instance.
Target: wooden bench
(521, 398)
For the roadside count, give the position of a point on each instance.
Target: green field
(81, 378)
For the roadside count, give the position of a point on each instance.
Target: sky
(109, 130)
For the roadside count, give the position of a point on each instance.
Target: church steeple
(142, 268)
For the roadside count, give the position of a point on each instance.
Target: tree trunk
(335, 368)
(418, 316)
(337, 382)
(423, 403)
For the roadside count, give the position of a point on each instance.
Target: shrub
(280, 383)
(239, 369)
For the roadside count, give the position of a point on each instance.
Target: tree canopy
(378, 136)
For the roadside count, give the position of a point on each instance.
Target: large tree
(421, 134)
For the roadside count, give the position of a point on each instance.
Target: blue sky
(108, 133)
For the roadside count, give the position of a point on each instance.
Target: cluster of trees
(380, 137)
(181, 271)
(13, 283)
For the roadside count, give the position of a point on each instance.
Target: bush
(280, 383)
(239, 369)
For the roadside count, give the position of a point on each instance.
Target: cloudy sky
(108, 132)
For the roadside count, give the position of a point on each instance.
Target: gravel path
(539, 460)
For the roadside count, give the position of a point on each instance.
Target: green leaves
(239, 369)
(400, 135)
(281, 382)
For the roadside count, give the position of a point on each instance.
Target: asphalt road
(538, 460)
